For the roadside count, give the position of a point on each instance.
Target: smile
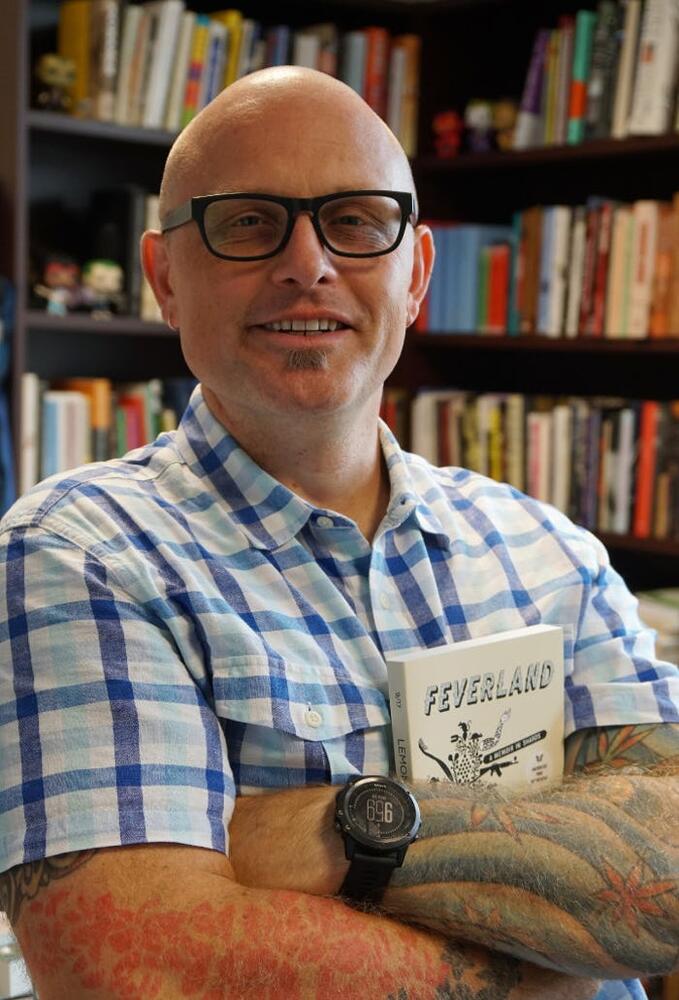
(303, 325)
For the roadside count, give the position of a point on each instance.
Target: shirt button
(325, 522)
(313, 718)
(385, 600)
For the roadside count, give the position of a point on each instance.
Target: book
(232, 19)
(99, 391)
(132, 108)
(410, 45)
(646, 467)
(104, 30)
(655, 79)
(627, 62)
(278, 45)
(487, 710)
(65, 434)
(376, 69)
(306, 48)
(180, 72)
(212, 78)
(645, 214)
(539, 454)
(585, 22)
(199, 44)
(73, 42)
(597, 317)
(529, 127)
(130, 24)
(661, 295)
(149, 308)
(565, 73)
(600, 85)
(29, 444)
(353, 60)
(549, 88)
(556, 229)
(560, 488)
(621, 242)
(674, 279)
(162, 56)
(576, 264)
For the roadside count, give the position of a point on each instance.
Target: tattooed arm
(168, 922)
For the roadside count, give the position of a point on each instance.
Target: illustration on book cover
(453, 720)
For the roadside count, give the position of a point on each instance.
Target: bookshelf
(471, 48)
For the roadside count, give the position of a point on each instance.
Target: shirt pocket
(281, 716)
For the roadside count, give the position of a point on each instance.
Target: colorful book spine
(528, 130)
(585, 22)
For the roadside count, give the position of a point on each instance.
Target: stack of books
(157, 64)
(608, 73)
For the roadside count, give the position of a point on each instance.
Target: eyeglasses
(256, 226)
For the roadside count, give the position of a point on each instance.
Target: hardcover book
(487, 710)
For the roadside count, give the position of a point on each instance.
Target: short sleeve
(616, 678)
(107, 736)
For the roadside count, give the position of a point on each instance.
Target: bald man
(207, 618)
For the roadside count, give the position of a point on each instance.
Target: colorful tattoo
(583, 877)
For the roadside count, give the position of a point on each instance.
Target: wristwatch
(378, 818)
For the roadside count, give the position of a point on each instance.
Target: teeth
(303, 326)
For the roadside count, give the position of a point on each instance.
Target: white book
(645, 215)
(624, 466)
(558, 270)
(485, 711)
(624, 80)
(515, 420)
(169, 15)
(396, 84)
(175, 101)
(131, 21)
(65, 431)
(575, 270)
(562, 458)
(654, 84)
(306, 49)
(29, 450)
(246, 46)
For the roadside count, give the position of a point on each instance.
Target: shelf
(535, 343)
(666, 547)
(54, 122)
(596, 149)
(84, 323)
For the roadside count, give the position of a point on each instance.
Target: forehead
(300, 153)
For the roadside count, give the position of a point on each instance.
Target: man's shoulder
(120, 483)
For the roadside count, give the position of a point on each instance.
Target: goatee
(307, 357)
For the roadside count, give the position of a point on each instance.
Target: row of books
(77, 420)
(604, 73)
(610, 464)
(603, 269)
(156, 64)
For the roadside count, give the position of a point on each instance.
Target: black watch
(378, 819)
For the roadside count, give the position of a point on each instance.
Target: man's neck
(331, 463)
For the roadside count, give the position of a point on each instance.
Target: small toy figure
(448, 127)
(54, 75)
(102, 283)
(59, 285)
(478, 120)
(505, 113)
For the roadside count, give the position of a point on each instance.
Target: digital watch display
(378, 819)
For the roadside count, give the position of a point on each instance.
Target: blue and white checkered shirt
(180, 627)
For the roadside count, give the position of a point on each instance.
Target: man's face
(225, 308)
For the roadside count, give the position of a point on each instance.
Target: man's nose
(304, 260)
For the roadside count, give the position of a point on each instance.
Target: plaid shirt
(180, 627)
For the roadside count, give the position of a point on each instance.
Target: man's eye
(248, 220)
(349, 220)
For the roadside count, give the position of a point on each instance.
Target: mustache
(306, 358)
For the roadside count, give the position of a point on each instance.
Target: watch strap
(368, 876)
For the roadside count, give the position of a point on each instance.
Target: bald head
(301, 123)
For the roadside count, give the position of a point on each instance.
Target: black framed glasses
(247, 226)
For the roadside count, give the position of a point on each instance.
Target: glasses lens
(244, 227)
(361, 224)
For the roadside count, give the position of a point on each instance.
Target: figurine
(54, 75)
(102, 283)
(505, 113)
(478, 120)
(447, 126)
(60, 285)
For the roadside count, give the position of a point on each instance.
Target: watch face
(381, 812)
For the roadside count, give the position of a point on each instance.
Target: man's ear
(156, 267)
(424, 255)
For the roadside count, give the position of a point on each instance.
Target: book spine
(643, 259)
(376, 68)
(624, 81)
(654, 85)
(528, 131)
(601, 78)
(585, 22)
(603, 251)
(73, 42)
(646, 468)
(567, 30)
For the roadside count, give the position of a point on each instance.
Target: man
(207, 620)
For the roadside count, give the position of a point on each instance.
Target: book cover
(136, 80)
(614, 322)
(585, 22)
(550, 87)
(199, 43)
(515, 421)
(472, 238)
(104, 30)
(565, 74)
(149, 309)
(528, 290)
(601, 262)
(411, 45)
(99, 391)
(376, 69)
(539, 454)
(131, 20)
(655, 80)
(162, 57)
(561, 455)
(674, 280)
(627, 63)
(529, 124)
(576, 265)
(212, 79)
(395, 87)
(487, 710)
(642, 522)
(232, 19)
(593, 218)
(306, 48)
(29, 445)
(180, 72)
(498, 288)
(645, 214)
(352, 60)
(661, 294)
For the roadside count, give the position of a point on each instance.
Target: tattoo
(468, 979)
(24, 882)
(593, 863)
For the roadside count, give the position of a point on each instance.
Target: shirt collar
(266, 511)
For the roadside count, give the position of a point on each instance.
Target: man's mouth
(304, 326)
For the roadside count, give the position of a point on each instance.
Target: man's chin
(306, 358)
